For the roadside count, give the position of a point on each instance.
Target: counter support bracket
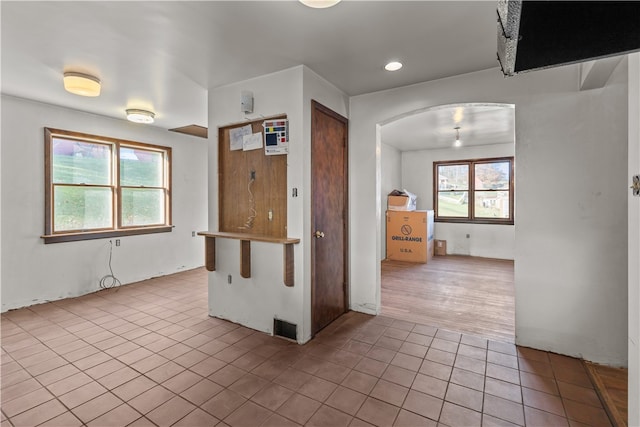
(245, 252)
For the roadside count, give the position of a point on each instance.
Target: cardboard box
(401, 203)
(440, 247)
(408, 235)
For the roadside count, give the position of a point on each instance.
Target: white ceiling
(433, 128)
(164, 56)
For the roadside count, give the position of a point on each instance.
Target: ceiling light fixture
(393, 66)
(319, 4)
(140, 116)
(81, 84)
(457, 142)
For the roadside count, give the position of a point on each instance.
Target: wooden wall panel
(269, 188)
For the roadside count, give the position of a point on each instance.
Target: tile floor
(148, 354)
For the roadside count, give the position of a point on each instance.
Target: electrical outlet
(294, 192)
(193, 234)
(117, 242)
(229, 279)
(270, 214)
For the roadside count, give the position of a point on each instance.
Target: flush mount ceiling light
(319, 4)
(81, 84)
(457, 142)
(393, 66)
(140, 116)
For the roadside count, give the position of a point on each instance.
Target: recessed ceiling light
(81, 84)
(140, 116)
(393, 66)
(319, 4)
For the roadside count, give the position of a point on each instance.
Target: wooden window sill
(475, 221)
(245, 251)
(104, 234)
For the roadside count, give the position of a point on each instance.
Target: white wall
(634, 244)
(485, 240)
(571, 245)
(33, 272)
(571, 242)
(256, 301)
(391, 173)
(1, 309)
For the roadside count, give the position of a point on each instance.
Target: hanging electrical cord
(109, 281)
(252, 209)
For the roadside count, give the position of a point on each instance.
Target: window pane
(453, 177)
(82, 208)
(77, 162)
(141, 167)
(492, 176)
(142, 206)
(492, 204)
(453, 203)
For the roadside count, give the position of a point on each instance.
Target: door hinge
(635, 187)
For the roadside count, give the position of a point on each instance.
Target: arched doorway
(479, 298)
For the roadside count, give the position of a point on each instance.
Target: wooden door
(329, 297)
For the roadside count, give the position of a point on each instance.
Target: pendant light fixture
(319, 4)
(81, 84)
(140, 116)
(457, 142)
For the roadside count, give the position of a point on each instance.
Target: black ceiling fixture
(542, 34)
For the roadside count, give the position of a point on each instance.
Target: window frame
(117, 230)
(471, 218)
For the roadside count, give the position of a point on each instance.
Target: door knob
(318, 234)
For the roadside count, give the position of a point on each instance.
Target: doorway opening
(470, 289)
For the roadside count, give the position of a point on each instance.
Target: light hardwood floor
(461, 293)
(612, 386)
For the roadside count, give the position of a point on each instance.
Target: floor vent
(285, 329)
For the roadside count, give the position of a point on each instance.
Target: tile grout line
(341, 347)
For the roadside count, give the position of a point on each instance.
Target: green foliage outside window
(474, 190)
(91, 190)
